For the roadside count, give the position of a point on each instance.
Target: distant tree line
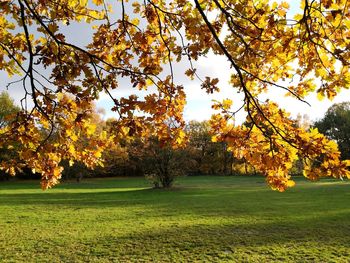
(161, 164)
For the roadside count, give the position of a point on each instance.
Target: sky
(199, 103)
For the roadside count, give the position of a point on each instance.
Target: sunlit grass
(216, 219)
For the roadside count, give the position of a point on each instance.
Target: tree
(7, 113)
(8, 109)
(161, 163)
(209, 157)
(143, 42)
(200, 146)
(336, 125)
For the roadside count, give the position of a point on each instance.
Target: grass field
(203, 219)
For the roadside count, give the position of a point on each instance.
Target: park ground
(202, 219)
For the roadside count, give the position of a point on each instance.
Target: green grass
(215, 219)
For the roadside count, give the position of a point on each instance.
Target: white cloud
(199, 103)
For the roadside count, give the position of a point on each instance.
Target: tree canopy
(143, 42)
(7, 109)
(336, 126)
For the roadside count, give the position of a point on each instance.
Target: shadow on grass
(269, 241)
(309, 240)
(88, 183)
(310, 223)
(184, 201)
(284, 241)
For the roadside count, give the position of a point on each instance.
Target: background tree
(301, 121)
(201, 149)
(117, 160)
(8, 112)
(141, 42)
(208, 157)
(162, 164)
(336, 125)
(8, 109)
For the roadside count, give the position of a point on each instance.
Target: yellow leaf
(181, 136)
(135, 21)
(57, 171)
(97, 2)
(290, 183)
(71, 149)
(226, 104)
(281, 12)
(53, 27)
(149, 82)
(320, 96)
(125, 131)
(74, 137)
(90, 129)
(60, 96)
(98, 154)
(285, 5)
(347, 162)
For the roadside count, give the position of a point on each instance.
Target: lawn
(210, 219)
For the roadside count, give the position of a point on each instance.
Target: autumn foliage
(143, 42)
